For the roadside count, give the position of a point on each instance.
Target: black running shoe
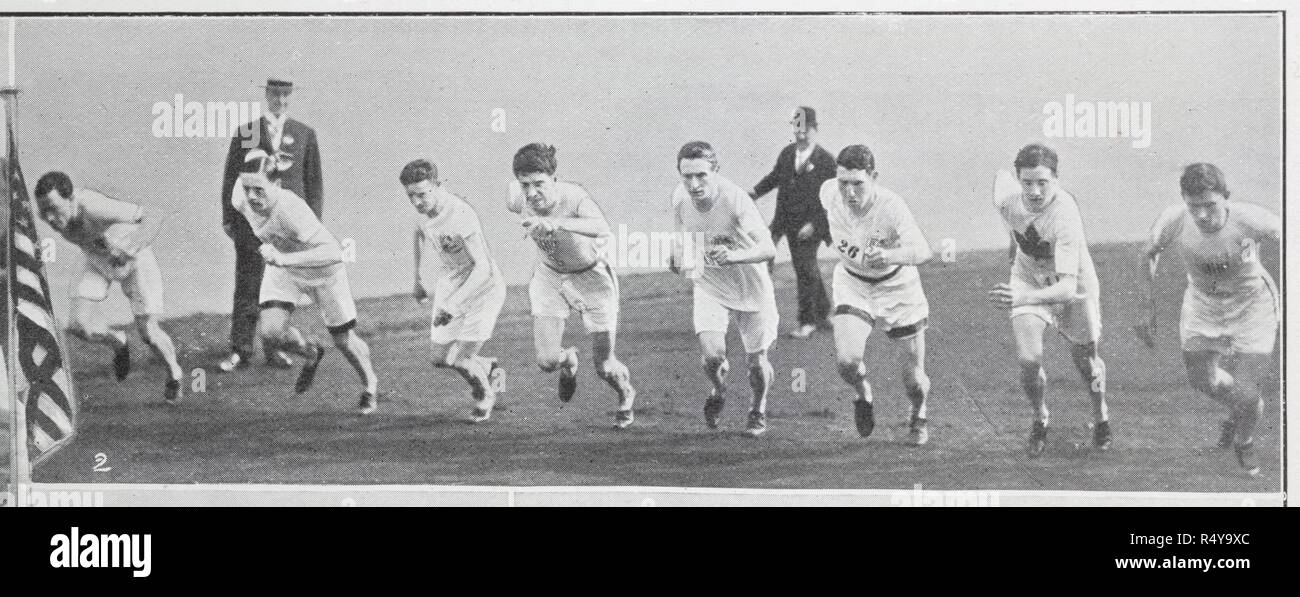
(368, 403)
(278, 359)
(864, 416)
(1227, 433)
(308, 373)
(122, 361)
(172, 391)
(713, 410)
(623, 419)
(1037, 439)
(1101, 436)
(568, 385)
(479, 415)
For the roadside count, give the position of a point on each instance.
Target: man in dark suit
(297, 158)
(798, 175)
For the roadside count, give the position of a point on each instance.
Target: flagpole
(19, 469)
(13, 61)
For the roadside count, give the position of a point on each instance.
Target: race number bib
(720, 240)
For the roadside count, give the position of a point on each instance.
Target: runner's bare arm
(477, 249)
(587, 221)
(1064, 290)
(762, 251)
(325, 250)
(147, 228)
(515, 198)
(1269, 226)
(1148, 265)
(594, 227)
(912, 249)
(419, 292)
(678, 253)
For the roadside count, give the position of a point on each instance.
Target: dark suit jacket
(303, 177)
(797, 195)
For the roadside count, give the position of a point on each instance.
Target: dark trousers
(814, 305)
(248, 283)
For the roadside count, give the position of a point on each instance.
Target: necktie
(800, 160)
(274, 128)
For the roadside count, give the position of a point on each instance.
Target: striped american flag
(42, 375)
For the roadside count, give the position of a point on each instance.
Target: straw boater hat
(280, 85)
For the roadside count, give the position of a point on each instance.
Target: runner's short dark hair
(417, 171)
(1035, 155)
(535, 157)
(1203, 177)
(856, 157)
(697, 150)
(53, 181)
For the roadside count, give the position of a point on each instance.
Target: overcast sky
(943, 101)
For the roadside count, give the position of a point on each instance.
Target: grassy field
(249, 427)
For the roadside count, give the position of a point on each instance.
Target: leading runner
(564, 222)
(114, 235)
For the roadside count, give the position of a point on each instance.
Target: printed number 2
(851, 251)
(100, 460)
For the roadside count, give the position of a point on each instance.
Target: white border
(628, 6)
(117, 494)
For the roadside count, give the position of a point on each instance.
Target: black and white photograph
(852, 258)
